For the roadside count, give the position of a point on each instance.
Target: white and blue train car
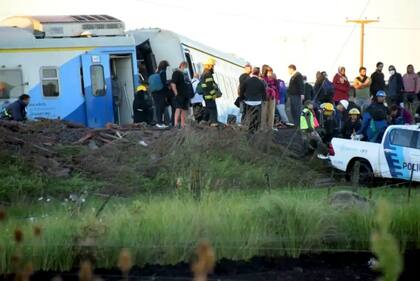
(75, 68)
(154, 45)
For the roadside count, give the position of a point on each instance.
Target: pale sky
(313, 35)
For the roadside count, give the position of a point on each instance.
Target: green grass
(164, 229)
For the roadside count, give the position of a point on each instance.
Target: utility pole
(362, 35)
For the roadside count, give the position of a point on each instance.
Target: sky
(313, 35)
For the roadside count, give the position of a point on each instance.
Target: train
(85, 68)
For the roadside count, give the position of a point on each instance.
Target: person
(400, 116)
(239, 101)
(142, 105)
(253, 90)
(374, 119)
(210, 91)
(181, 90)
(116, 97)
(16, 110)
(411, 86)
(295, 93)
(281, 104)
(328, 124)
(362, 89)
(270, 100)
(377, 80)
(341, 85)
(160, 92)
(341, 114)
(197, 100)
(308, 125)
(395, 86)
(308, 89)
(352, 125)
(4, 93)
(323, 89)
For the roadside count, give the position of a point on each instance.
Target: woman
(270, 101)
(341, 85)
(160, 92)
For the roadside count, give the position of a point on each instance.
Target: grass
(164, 229)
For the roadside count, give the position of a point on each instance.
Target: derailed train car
(76, 68)
(154, 45)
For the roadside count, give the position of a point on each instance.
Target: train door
(97, 85)
(122, 88)
(146, 60)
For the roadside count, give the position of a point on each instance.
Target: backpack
(189, 89)
(155, 82)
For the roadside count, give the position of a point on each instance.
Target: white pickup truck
(397, 157)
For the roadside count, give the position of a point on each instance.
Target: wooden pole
(362, 36)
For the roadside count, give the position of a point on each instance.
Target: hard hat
(327, 106)
(210, 61)
(141, 88)
(381, 94)
(345, 103)
(354, 111)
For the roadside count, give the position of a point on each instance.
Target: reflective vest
(303, 124)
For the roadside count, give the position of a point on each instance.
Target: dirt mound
(136, 157)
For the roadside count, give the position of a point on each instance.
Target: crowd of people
(359, 109)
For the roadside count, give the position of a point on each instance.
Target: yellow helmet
(354, 111)
(141, 88)
(327, 106)
(210, 61)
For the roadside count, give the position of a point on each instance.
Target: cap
(381, 94)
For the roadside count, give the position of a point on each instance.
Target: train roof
(24, 38)
(148, 32)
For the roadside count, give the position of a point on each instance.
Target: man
(328, 124)
(400, 116)
(253, 90)
(116, 97)
(17, 110)
(395, 86)
(375, 119)
(341, 85)
(341, 114)
(309, 89)
(296, 93)
(411, 86)
(210, 91)
(352, 125)
(181, 91)
(239, 102)
(308, 124)
(362, 84)
(197, 100)
(378, 80)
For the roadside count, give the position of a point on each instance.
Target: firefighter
(308, 124)
(352, 125)
(142, 105)
(17, 110)
(328, 123)
(210, 91)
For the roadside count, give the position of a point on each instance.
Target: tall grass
(164, 229)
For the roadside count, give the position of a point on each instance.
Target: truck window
(11, 83)
(404, 138)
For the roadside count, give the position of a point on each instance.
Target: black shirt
(296, 85)
(178, 79)
(378, 83)
(253, 89)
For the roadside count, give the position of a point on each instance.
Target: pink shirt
(411, 83)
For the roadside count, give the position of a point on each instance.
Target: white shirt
(197, 98)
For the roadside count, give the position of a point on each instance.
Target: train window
(98, 80)
(11, 83)
(50, 81)
(190, 64)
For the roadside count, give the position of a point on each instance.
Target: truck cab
(396, 157)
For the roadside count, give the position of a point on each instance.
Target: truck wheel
(361, 173)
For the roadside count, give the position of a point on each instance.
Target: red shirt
(341, 87)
